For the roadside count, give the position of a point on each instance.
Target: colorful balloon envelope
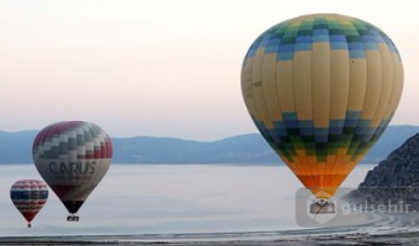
(29, 196)
(321, 89)
(72, 157)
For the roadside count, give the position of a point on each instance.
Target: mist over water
(149, 199)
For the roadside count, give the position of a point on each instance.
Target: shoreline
(385, 229)
(389, 231)
(397, 238)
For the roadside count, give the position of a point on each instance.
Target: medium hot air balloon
(72, 157)
(29, 196)
(321, 89)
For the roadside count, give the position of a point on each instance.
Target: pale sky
(159, 67)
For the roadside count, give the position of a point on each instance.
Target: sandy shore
(386, 229)
(408, 238)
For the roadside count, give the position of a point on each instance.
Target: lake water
(154, 199)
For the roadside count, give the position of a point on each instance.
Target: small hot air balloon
(72, 157)
(29, 196)
(321, 89)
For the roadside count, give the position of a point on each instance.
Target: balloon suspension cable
(325, 204)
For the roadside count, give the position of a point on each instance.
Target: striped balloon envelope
(321, 89)
(72, 157)
(29, 196)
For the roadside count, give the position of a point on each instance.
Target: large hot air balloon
(29, 196)
(72, 157)
(321, 89)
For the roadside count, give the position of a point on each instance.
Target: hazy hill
(249, 148)
(16, 147)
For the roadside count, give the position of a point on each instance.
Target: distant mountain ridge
(15, 148)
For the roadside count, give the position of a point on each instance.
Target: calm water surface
(142, 199)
